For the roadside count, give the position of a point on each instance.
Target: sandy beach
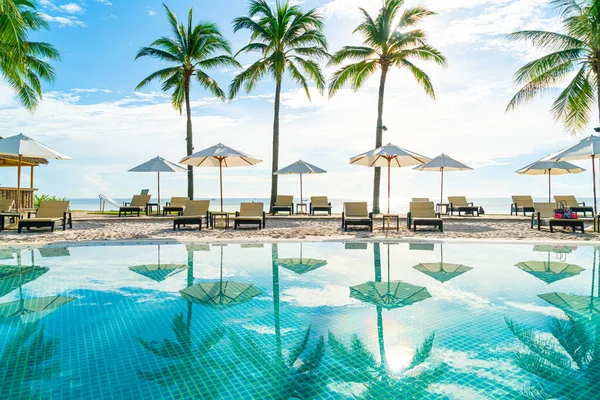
(99, 228)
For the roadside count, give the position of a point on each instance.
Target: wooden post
(221, 180)
(442, 188)
(389, 183)
(594, 178)
(158, 206)
(19, 182)
(549, 185)
(31, 178)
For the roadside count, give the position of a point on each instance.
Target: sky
(94, 114)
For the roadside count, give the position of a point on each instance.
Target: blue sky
(94, 114)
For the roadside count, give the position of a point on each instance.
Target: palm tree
(572, 54)
(24, 64)
(289, 40)
(388, 42)
(191, 51)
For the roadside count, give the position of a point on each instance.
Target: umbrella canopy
(442, 272)
(220, 294)
(550, 271)
(389, 295)
(30, 310)
(23, 146)
(587, 148)
(301, 265)
(158, 272)
(550, 168)
(158, 165)
(578, 305)
(389, 156)
(441, 164)
(13, 277)
(220, 156)
(300, 168)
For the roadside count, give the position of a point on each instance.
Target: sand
(98, 228)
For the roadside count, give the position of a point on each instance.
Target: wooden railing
(27, 196)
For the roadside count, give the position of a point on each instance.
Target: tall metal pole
(442, 187)
(389, 182)
(158, 206)
(300, 190)
(549, 185)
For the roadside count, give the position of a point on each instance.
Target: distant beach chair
(138, 203)
(416, 199)
(356, 214)
(461, 205)
(522, 204)
(177, 204)
(194, 212)
(543, 215)
(283, 204)
(423, 214)
(6, 205)
(250, 214)
(320, 204)
(47, 215)
(572, 203)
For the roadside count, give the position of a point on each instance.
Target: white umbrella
(389, 156)
(550, 168)
(300, 168)
(23, 146)
(443, 163)
(220, 156)
(158, 165)
(584, 149)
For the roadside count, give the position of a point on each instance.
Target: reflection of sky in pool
(279, 321)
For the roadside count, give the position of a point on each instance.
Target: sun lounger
(356, 214)
(416, 199)
(459, 204)
(47, 215)
(423, 214)
(318, 204)
(283, 204)
(195, 211)
(572, 203)
(138, 203)
(6, 205)
(250, 214)
(177, 204)
(543, 215)
(522, 204)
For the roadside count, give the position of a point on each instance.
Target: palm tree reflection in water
(566, 364)
(356, 364)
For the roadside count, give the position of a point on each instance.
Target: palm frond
(423, 351)
(352, 53)
(412, 16)
(248, 78)
(574, 105)
(547, 40)
(210, 84)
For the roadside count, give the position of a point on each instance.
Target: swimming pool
(298, 320)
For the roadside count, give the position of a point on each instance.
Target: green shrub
(45, 197)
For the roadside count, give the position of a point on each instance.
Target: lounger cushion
(284, 201)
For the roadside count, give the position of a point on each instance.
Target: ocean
(499, 205)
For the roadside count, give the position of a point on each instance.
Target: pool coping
(145, 242)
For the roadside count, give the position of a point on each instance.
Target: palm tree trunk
(189, 139)
(379, 139)
(275, 167)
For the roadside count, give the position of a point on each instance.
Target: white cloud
(90, 90)
(71, 8)
(151, 12)
(105, 2)
(62, 22)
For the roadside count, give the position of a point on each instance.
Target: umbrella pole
(158, 206)
(594, 178)
(19, 182)
(550, 185)
(389, 184)
(221, 180)
(442, 187)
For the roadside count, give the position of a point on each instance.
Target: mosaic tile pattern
(280, 321)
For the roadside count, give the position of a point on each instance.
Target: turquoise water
(289, 320)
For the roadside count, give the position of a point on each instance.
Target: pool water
(299, 321)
